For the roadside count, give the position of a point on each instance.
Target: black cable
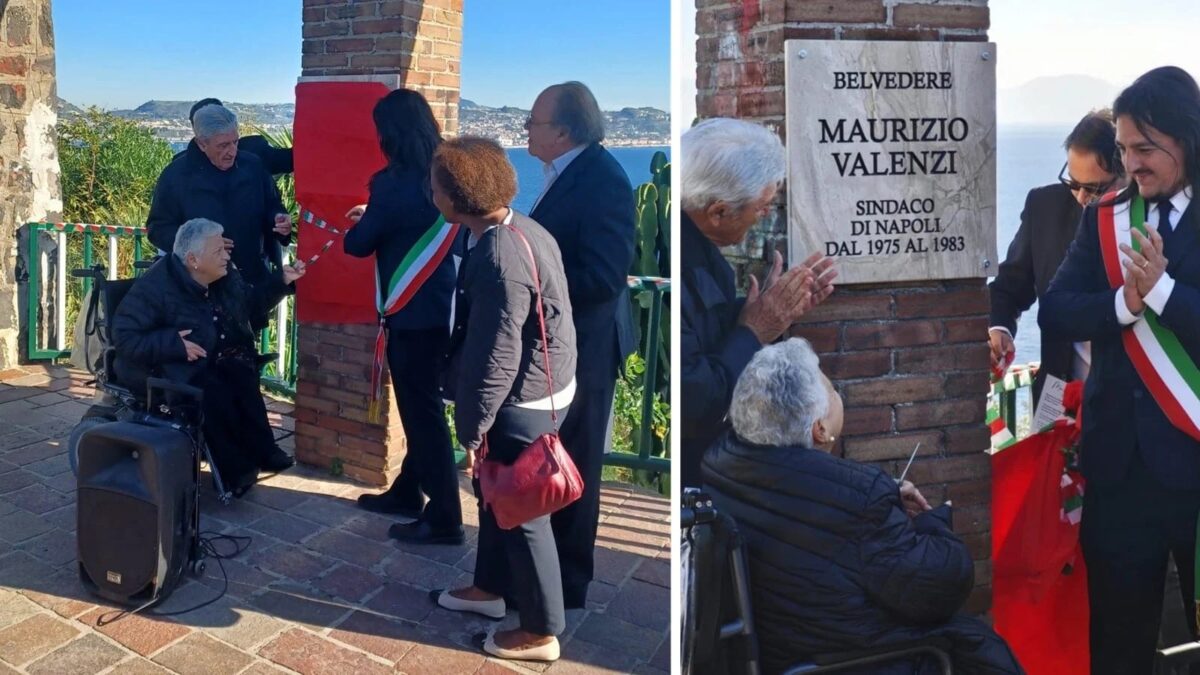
(208, 549)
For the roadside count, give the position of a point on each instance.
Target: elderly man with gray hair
(587, 205)
(213, 179)
(841, 557)
(191, 318)
(732, 171)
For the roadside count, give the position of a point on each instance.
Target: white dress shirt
(554, 168)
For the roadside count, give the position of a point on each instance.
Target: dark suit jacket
(1119, 415)
(1048, 224)
(590, 212)
(714, 348)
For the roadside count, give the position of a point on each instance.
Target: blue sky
(120, 53)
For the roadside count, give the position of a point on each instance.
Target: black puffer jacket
(244, 200)
(836, 565)
(166, 300)
(496, 350)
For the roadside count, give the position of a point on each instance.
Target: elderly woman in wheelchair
(189, 319)
(841, 557)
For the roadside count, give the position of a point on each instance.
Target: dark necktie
(1164, 222)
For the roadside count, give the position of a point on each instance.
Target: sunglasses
(1094, 189)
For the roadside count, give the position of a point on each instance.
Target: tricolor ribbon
(417, 266)
(312, 219)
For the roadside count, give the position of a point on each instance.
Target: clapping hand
(356, 213)
(194, 351)
(294, 271)
(1143, 268)
(283, 224)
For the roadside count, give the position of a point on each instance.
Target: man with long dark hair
(1048, 223)
(1131, 285)
(399, 213)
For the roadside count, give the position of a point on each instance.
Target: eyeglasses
(529, 123)
(1093, 189)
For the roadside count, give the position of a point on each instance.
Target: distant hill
(505, 124)
(1058, 100)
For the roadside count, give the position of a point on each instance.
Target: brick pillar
(414, 44)
(30, 189)
(909, 359)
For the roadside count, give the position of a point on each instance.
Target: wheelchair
(718, 624)
(163, 402)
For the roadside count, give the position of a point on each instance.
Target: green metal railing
(125, 244)
(1003, 405)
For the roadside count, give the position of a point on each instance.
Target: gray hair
(728, 160)
(214, 119)
(575, 109)
(780, 395)
(192, 236)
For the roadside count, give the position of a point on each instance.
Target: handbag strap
(537, 285)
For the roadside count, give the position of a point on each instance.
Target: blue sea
(1028, 157)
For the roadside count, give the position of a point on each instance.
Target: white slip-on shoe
(492, 609)
(547, 652)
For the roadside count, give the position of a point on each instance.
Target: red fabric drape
(336, 153)
(1041, 611)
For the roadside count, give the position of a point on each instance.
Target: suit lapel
(1183, 239)
(563, 184)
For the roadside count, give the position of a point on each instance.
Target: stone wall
(29, 189)
(406, 43)
(909, 359)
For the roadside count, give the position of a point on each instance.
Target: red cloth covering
(1039, 610)
(336, 153)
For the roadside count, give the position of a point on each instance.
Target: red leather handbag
(543, 479)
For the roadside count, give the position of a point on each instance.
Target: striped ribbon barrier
(126, 230)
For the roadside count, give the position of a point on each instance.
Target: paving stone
(69, 410)
(199, 654)
(14, 608)
(310, 654)
(33, 638)
(291, 561)
(642, 604)
(324, 510)
(49, 398)
(64, 483)
(264, 668)
(657, 572)
(85, 656)
(56, 547)
(6, 670)
(62, 593)
(20, 525)
(371, 526)
(349, 582)
(19, 570)
(244, 580)
(285, 527)
(138, 666)
(420, 572)
(15, 480)
(275, 498)
(600, 594)
(447, 555)
(381, 636)
(139, 632)
(613, 566)
(5, 467)
(441, 658)
(580, 657)
(38, 499)
(51, 466)
(613, 633)
(300, 606)
(662, 657)
(64, 518)
(226, 619)
(458, 626)
(240, 512)
(349, 547)
(402, 601)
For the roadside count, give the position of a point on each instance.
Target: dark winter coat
(835, 563)
(496, 350)
(166, 300)
(243, 200)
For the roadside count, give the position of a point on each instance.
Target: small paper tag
(1050, 405)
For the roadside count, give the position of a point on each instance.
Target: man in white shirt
(1136, 297)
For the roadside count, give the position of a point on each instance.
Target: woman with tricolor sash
(402, 228)
(1131, 284)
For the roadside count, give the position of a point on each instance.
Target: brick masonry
(909, 359)
(29, 189)
(420, 42)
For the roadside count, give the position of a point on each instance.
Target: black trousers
(522, 563)
(1128, 531)
(586, 436)
(236, 428)
(416, 359)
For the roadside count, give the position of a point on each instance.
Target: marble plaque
(892, 158)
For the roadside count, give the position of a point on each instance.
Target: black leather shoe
(420, 532)
(277, 460)
(388, 503)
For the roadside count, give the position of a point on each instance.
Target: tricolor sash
(1157, 355)
(416, 267)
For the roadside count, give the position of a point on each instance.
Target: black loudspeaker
(136, 509)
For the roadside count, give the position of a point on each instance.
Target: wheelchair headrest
(111, 294)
